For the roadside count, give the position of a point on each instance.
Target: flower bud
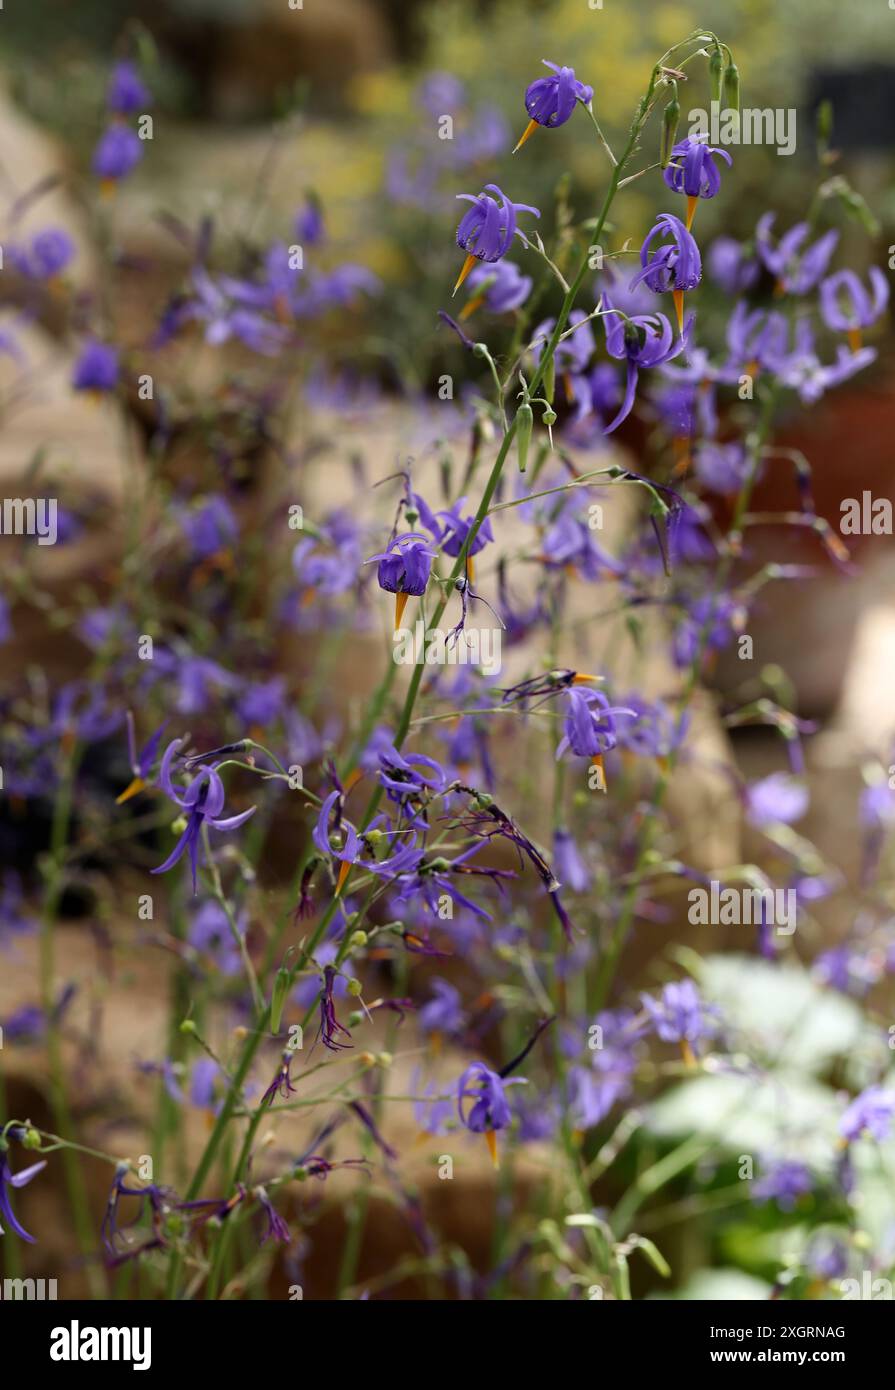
(524, 426)
(670, 123)
(549, 417)
(550, 379)
(188, 1026)
(355, 988)
(31, 1138)
(716, 75)
(278, 998)
(732, 87)
(359, 938)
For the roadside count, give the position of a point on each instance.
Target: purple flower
(141, 763)
(486, 231)
(590, 728)
(570, 543)
(457, 528)
(877, 806)
(784, 1181)
(209, 527)
(308, 224)
(721, 467)
(500, 288)
(708, 625)
(550, 101)
(568, 864)
(482, 1090)
(847, 307)
(261, 702)
(731, 266)
(444, 1011)
(797, 270)
(211, 934)
(776, 800)
(126, 92)
(13, 919)
(677, 266)
(692, 171)
(595, 1089)
(202, 801)
(657, 730)
(646, 340)
(119, 152)
(96, 368)
(8, 1180)
(871, 1113)
(219, 305)
(404, 569)
(49, 253)
(680, 1014)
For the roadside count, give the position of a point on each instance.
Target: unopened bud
(716, 75)
(731, 90)
(670, 123)
(278, 998)
(524, 426)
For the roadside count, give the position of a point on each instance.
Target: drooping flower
(202, 801)
(404, 569)
(443, 1013)
(570, 545)
(692, 171)
(482, 1092)
(797, 268)
(646, 340)
(487, 230)
(732, 266)
(568, 864)
(97, 368)
(209, 527)
(675, 266)
(118, 153)
(141, 763)
(722, 467)
(551, 100)
(500, 288)
(847, 307)
(681, 1015)
(776, 800)
(595, 1089)
(784, 1181)
(871, 1113)
(48, 254)
(9, 1179)
(456, 530)
(590, 728)
(127, 93)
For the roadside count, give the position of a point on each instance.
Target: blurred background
(260, 108)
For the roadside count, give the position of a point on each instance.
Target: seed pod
(524, 426)
(716, 74)
(278, 998)
(670, 122)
